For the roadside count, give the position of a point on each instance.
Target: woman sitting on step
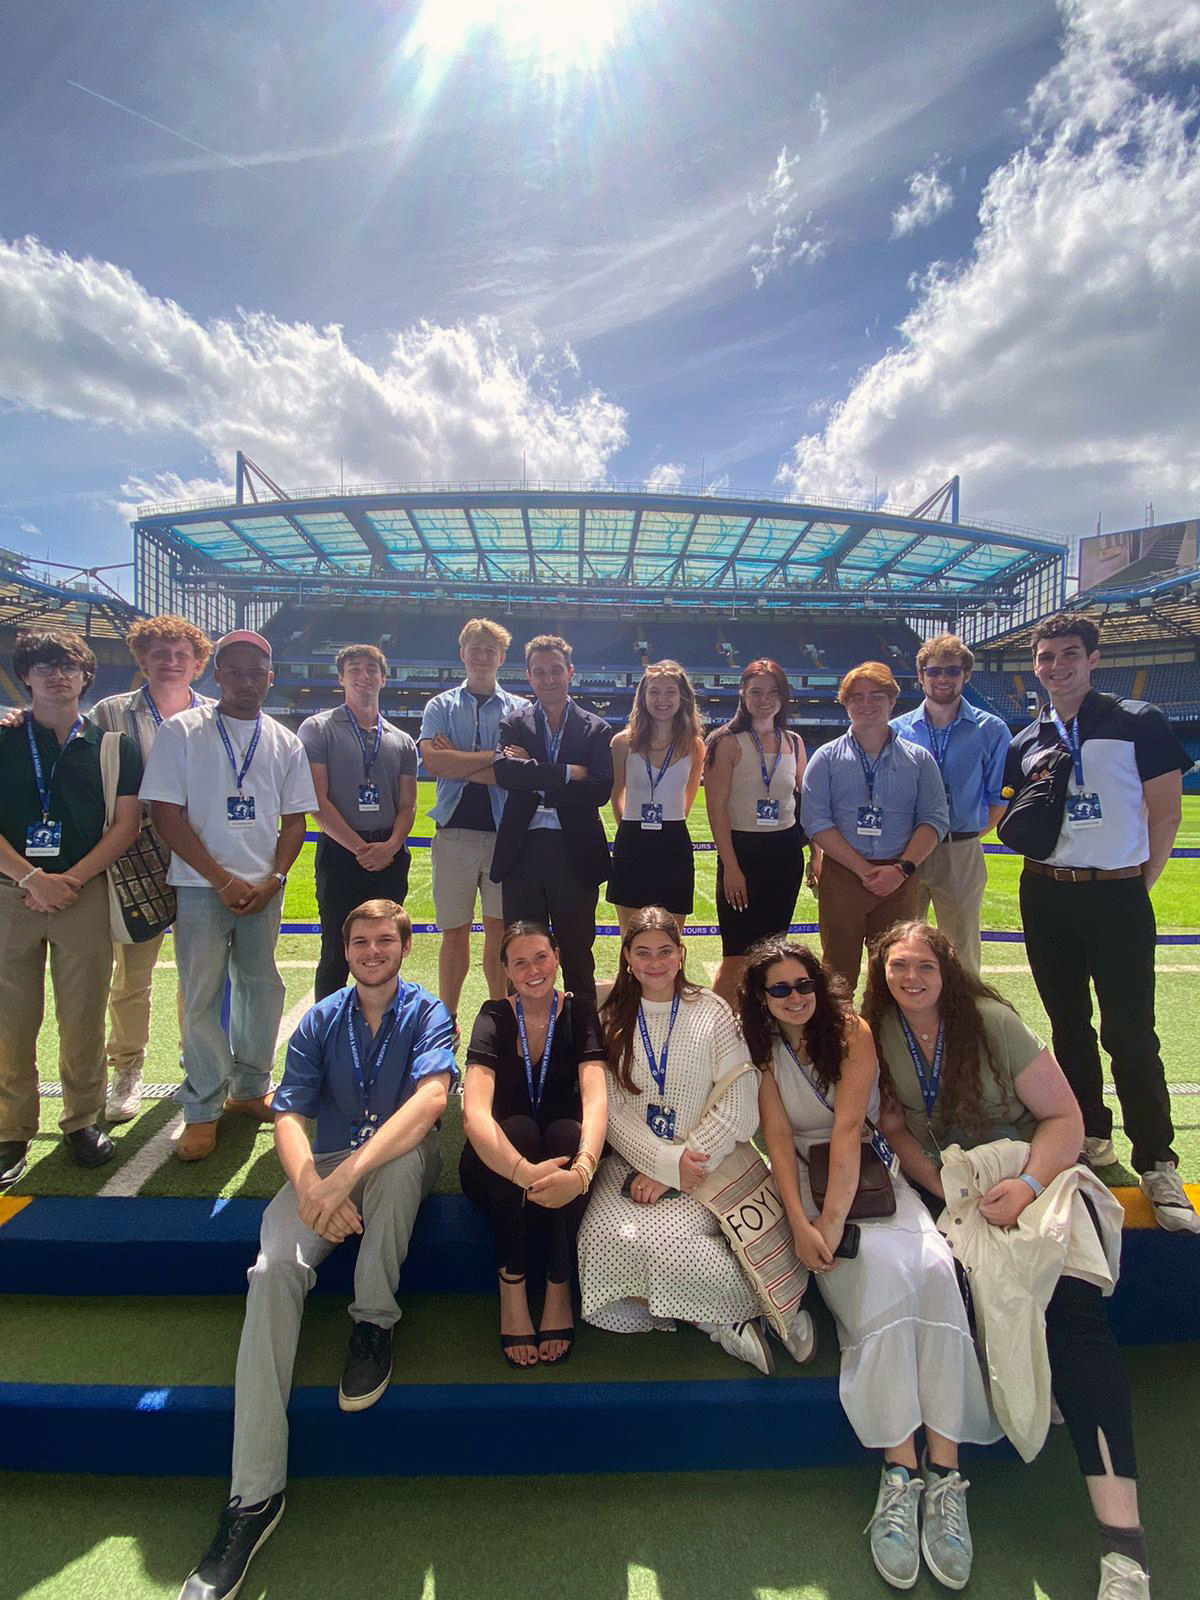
(650, 1254)
(534, 1115)
(908, 1361)
(960, 1068)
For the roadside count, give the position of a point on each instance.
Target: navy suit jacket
(585, 743)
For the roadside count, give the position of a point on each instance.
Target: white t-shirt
(189, 767)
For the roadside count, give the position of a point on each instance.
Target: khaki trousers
(953, 878)
(849, 916)
(129, 1003)
(80, 947)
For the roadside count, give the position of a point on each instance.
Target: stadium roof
(25, 602)
(437, 541)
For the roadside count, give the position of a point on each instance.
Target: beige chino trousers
(953, 878)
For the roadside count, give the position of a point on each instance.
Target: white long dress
(907, 1354)
(672, 1255)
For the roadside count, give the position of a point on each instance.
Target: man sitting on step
(373, 1064)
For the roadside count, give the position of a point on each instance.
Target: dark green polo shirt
(76, 793)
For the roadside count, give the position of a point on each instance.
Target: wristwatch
(282, 876)
(906, 867)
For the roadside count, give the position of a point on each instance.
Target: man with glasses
(969, 746)
(54, 849)
(875, 805)
(460, 730)
(229, 789)
(364, 770)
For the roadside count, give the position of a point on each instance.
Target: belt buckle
(1065, 875)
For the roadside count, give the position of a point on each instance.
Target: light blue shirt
(972, 765)
(907, 790)
(547, 816)
(455, 713)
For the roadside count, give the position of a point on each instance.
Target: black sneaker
(90, 1147)
(239, 1537)
(368, 1369)
(12, 1160)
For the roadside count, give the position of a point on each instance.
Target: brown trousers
(849, 916)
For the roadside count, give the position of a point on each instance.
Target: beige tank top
(747, 788)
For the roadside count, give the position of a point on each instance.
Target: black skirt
(773, 864)
(653, 867)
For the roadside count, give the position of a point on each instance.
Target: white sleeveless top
(670, 793)
(812, 1122)
(746, 789)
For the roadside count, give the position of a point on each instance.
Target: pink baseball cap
(243, 636)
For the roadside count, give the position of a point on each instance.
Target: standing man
(460, 732)
(1086, 908)
(228, 789)
(54, 848)
(551, 851)
(875, 805)
(171, 654)
(373, 1065)
(364, 770)
(969, 747)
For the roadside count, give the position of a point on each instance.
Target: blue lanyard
(939, 749)
(1068, 732)
(655, 779)
(762, 759)
(878, 1143)
(929, 1085)
(238, 777)
(870, 768)
(368, 760)
(44, 785)
(658, 1070)
(153, 709)
(535, 1094)
(375, 1062)
(552, 744)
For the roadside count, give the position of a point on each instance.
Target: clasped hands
(693, 1169)
(246, 899)
(325, 1205)
(882, 880)
(552, 1183)
(52, 891)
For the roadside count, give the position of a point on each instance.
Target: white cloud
(31, 528)
(819, 106)
(1055, 367)
(929, 197)
(793, 239)
(87, 342)
(665, 475)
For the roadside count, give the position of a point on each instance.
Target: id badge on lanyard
(43, 839)
(239, 807)
(766, 811)
(652, 811)
(1083, 809)
(368, 789)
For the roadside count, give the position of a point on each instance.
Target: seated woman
(960, 1067)
(648, 1253)
(534, 1115)
(908, 1360)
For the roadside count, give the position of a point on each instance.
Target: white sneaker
(1122, 1579)
(124, 1095)
(1173, 1211)
(745, 1341)
(895, 1536)
(1099, 1152)
(801, 1341)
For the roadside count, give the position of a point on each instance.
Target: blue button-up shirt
(973, 764)
(908, 790)
(454, 713)
(318, 1075)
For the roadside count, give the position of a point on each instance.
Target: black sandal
(545, 1336)
(510, 1341)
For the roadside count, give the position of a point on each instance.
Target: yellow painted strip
(1139, 1213)
(1139, 683)
(10, 1207)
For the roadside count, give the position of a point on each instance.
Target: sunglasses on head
(780, 991)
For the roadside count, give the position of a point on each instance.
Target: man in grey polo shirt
(876, 806)
(365, 774)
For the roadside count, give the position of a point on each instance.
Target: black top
(496, 1043)
(1152, 745)
(76, 793)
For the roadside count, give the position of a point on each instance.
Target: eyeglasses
(942, 672)
(44, 669)
(780, 991)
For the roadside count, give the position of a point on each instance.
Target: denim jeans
(211, 944)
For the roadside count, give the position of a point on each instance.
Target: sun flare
(553, 33)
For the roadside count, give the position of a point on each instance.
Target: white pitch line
(139, 1169)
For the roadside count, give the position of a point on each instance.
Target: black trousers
(522, 1230)
(1102, 933)
(542, 886)
(341, 886)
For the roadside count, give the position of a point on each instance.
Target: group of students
(558, 1097)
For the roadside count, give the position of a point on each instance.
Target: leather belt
(957, 838)
(1080, 874)
(373, 835)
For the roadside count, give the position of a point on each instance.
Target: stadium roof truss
(590, 547)
(25, 602)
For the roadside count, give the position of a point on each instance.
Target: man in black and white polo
(1086, 909)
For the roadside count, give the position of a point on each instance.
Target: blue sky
(800, 246)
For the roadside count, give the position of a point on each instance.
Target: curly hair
(966, 1045)
(685, 725)
(827, 1033)
(53, 647)
(166, 629)
(742, 721)
(619, 1011)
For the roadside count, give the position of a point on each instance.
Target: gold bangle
(583, 1177)
(583, 1154)
(512, 1177)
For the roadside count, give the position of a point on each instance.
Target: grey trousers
(288, 1256)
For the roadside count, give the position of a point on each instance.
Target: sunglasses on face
(943, 672)
(780, 991)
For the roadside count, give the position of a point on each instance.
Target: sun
(552, 34)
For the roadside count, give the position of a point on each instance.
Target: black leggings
(516, 1223)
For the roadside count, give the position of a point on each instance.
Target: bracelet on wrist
(1038, 1188)
(21, 882)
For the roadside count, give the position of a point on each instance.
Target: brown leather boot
(198, 1139)
(259, 1107)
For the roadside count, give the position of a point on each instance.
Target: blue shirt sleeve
(994, 764)
(816, 799)
(435, 719)
(433, 1043)
(931, 793)
(303, 1071)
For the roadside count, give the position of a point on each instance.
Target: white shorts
(462, 862)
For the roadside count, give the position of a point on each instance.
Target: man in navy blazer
(551, 852)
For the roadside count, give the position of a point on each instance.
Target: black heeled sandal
(545, 1336)
(511, 1341)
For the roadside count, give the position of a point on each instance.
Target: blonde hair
(874, 672)
(946, 644)
(485, 628)
(685, 725)
(166, 629)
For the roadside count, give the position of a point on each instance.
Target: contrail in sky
(175, 134)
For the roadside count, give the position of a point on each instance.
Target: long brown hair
(685, 725)
(965, 1040)
(620, 1009)
(742, 721)
(827, 1032)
